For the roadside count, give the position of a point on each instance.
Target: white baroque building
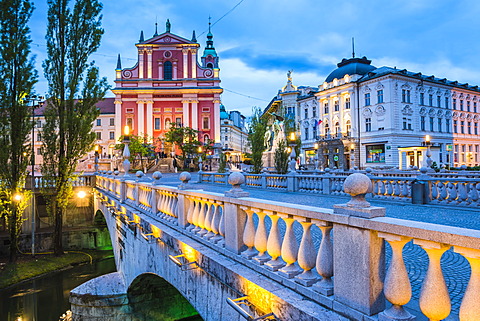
(380, 117)
(233, 138)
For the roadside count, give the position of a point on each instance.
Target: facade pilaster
(140, 64)
(194, 63)
(160, 70)
(149, 63)
(175, 70)
(118, 119)
(150, 119)
(141, 117)
(186, 113)
(216, 117)
(194, 114)
(185, 63)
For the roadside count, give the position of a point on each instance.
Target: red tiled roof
(106, 106)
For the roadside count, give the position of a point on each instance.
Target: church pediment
(167, 38)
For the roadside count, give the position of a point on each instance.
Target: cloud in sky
(260, 40)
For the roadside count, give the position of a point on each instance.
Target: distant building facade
(380, 117)
(168, 85)
(234, 137)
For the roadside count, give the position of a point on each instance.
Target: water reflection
(46, 298)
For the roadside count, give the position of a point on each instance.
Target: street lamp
(293, 155)
(126, 151)
(317, 161)
(429, 160)
(352, 156)
(200, 165)
(96, 159)
(36, 102)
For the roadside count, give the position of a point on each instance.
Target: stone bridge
(234, 257)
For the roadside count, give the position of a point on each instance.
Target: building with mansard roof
(387, 117)
(169, 85)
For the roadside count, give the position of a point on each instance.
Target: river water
(46, 298)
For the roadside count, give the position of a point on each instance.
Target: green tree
(138, 146)
(185, 138)
(222, 163)
(258, 127)
(281, 158)
(74, 89)
(17, 78)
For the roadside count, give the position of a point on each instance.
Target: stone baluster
(443, 193)
(397, 288)
(160, 202)
(216, 224)
(289, 249)
(462, 193)
(324, 263)
(470, 307)
(389, 191)
(452, 192)
(175, 207)
(208, 221)
(195, 214)
(472, 194)
(434, 298)
(191, 208)
(261, 238)
(274, 246)
(306, 255)
(435, 193)
(221, 226)
(381, 192)
(397, 190)
(202, 218)
(405, 189)
(249, 233)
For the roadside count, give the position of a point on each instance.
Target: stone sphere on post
(357, 185)
(185, 177)
(236, 179)
(157, 176)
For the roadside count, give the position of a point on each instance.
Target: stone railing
(437, 188)
(87, 180)
(292, 245)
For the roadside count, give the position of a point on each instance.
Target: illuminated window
(348, 126)
(167, 123)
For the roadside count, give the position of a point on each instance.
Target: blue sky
(260, 40)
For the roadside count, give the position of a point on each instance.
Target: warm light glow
(199, 149)
(24, 154)
(17, 197)
(289, 149)
(81, 194)
(292, 136)
(352, 146)
(126, 130)
(96, 148)
(315, 146)
(427, 138)
(189, 252)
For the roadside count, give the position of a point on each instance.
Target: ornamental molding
(406, 86)
(440, 113)
(407, 110)
(366, 89)
(455, 114)
(448, 114)
(380, 111)
(306, 123)
(431, 112)
(313, 121)
(462, 115)
(117, 102)
(379, 86)
(423, 111)
(469, 116)
(367, 112)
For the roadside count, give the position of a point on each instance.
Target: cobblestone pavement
(455, 267)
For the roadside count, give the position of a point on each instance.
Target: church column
(118, 119)
(194, 63)
(150, 119)
(140, 63)
(195, 114)
(160, 70)
(141, 117)
(186, 113)
(175, 70)
(185, 63)
(216, 117)
(149, 63)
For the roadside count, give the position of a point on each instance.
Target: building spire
(141, 37)
(156, 29)
(353, 47)
(168, 25)
(119, 63)
(194, 37)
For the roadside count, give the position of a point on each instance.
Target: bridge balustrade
(293, 245)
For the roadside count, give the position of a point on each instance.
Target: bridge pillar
(236, 218)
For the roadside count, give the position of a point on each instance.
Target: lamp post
(293, 155)
(428, 143)
(96, 159)
(200, 165)
(352, 157)
(317, 160)
(126, 151)
(36, 102)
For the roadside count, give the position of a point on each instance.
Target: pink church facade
(167, 85)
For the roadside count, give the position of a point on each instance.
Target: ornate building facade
(169, 85)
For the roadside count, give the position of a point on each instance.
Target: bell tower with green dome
(210, 57)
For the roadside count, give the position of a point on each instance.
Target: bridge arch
(153, 298)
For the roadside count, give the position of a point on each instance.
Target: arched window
(326, 129)
(348, 126)
(337, 128)
(167, 123)
(167, 70)
(210, 65)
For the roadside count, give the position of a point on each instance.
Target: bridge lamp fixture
(182, 263)
(17, 197)
(237, 305)
(81, 194)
